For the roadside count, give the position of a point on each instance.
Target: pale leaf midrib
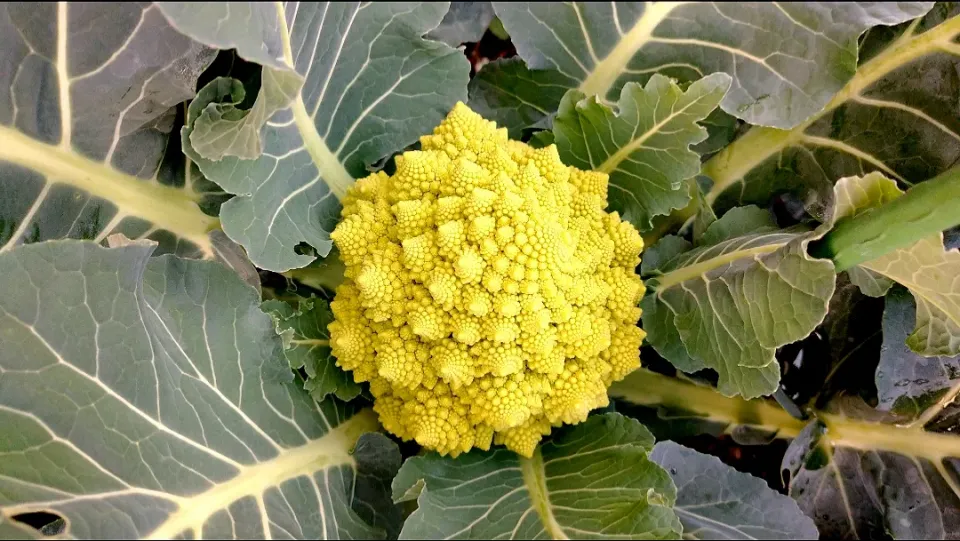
(534, 476)
(760, 143)
(166, 207)
(331, 170)
(330, 450)
(606, 72)
(698, 270)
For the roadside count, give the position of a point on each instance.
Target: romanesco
(487, 296)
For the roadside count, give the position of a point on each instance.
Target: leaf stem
(647, 388)
(926, 209)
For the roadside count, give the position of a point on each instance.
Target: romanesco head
(488, 295)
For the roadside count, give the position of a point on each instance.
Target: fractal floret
(488, 295)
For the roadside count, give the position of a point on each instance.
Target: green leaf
(787, 60)
(644, 145)
(886, 119)
(146, 397)
(307, 345)
(715, 501)
(517, 97)
(372, 85)
(592, 480)
(729, 305)
(252, 28)
(88, 100)
(909, 383)
(256, 32)
(859, 477)
(926, 268)
(464, 22)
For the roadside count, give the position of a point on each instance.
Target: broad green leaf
(464, 22)
(909, 383)
(730, 304)
(861, 477)
(88, 96)
(147, 397)
(715, 501)
(252, 28)
(644, 145)
(787, 59)
(372, 85)
(897, 115)
(593, 480)
(517, 97)
(307, 345)
(927, 269)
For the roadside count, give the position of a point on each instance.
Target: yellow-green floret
(488, 295)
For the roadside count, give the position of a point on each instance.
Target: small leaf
(729, 305)
(307, 346)
(909, 383)
(644, 145)
(715, 501)
(464, 22)
(515, 96)
(592, 480)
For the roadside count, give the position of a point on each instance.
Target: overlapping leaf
(148, 398)
(87, 103)
(730, 302)
(307, 344)
(897, 115)
(592, 480)
(464, 22)
(909, 383)
(787, 59)
(860, 479)
(644, 145)
(931, 272)
(715, 501)
(516, 96)
(371, 86)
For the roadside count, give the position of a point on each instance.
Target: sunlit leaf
(644, 144)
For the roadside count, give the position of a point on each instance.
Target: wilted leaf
(787, 59)
(464, 22)
(147, 397)
(88, 96)
(371, 86)
(907, 382)
(897, 115)
(592, 480)
(729, 303)
(307, 344)
(644, 145)
(862, 478)
(715, 501)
